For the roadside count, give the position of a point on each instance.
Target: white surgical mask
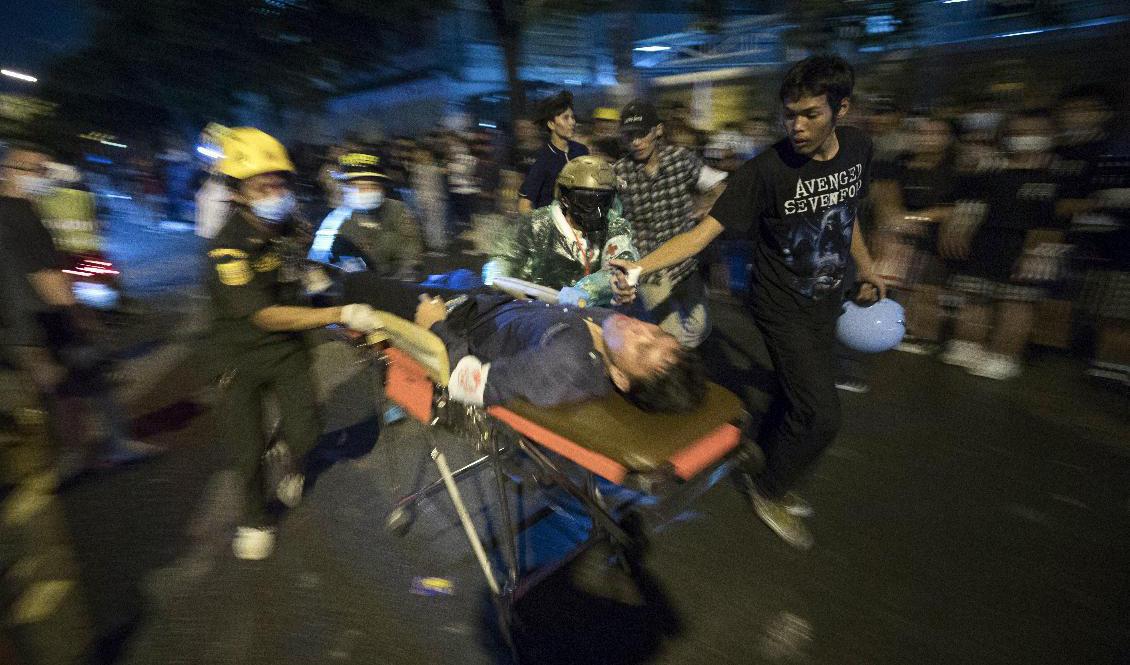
(274, 209)
(1027, 143)
(364, 200)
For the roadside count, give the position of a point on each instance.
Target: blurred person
(213, 198)
(799, 199)
(978, 146)
(368, 231)
(659, 185)
(887, 132)
(430, 197)
(51, 337)
(606, 133)
(1017, 198)
(555, 116)
(912, 196)
(256, 285)
(570, 242)
(1095, 182)
(462, 182)
(527, 145)
(758, 134)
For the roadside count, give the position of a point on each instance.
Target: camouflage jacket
(543, 249)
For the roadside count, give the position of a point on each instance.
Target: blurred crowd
(1000, 227)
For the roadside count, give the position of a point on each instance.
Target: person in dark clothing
(256, 281)
(799, 201)
(556, 115)
(50, 337)
(501, 348)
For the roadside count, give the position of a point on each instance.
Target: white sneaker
(289, 489)
(963, 354)
(253, 543)
(996, 366)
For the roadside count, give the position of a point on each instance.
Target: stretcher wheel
(400, 520)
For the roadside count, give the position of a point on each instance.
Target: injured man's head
(650, 367)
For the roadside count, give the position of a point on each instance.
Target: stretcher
(656, 455)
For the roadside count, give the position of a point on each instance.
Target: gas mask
(589, 209)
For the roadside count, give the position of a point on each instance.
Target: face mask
(364, 200)
(1027, 143)
(274, 209)
(33, 185)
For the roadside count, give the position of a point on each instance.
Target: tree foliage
(196, 59)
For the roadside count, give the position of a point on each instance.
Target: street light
(18, 75)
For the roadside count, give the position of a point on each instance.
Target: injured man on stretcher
(502, 348)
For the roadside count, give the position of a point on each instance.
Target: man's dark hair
(554, 106)
(678, 388)
(826, 75)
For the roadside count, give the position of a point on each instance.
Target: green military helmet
(588, 172)
(585, 190)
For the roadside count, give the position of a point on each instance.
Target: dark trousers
(805, 416)
(283, 371)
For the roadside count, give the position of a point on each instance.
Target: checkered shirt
(660, 207)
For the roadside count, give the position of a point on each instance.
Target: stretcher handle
(520, 288)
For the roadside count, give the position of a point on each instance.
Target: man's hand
(625, 274)
(430, 311)
(872, 289)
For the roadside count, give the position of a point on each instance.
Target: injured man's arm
(503, 349)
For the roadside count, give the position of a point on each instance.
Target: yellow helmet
(250, 152)
(606, 113)
(588, 172)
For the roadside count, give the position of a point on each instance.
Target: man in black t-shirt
(798, 199)
(556, 116)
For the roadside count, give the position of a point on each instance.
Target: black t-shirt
(540, 180)
(252, 269)
(800, 213)
(1077, 167)
(1018, 199)
(921, 188)
(25, 248)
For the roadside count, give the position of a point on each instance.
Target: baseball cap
(638, 117)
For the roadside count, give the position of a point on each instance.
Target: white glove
(572, 296)
(360, 317)
(492, 269)
(468, 381)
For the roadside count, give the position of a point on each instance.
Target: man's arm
(524, 205)
(280, 318)
(865, 267)
(681, 247)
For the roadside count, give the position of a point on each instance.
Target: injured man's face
(650, 367)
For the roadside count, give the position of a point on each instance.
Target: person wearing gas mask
(569, 242)
(368, 231)
(256, 286)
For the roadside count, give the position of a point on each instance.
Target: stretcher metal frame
(415, 374)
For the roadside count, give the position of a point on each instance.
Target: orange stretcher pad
(609, 436)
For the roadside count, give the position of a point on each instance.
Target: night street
(957, 521)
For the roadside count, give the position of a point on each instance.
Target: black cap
(638, 116)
